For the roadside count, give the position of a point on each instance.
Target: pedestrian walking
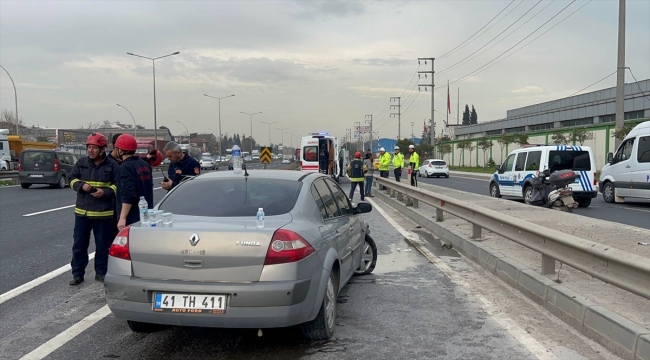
(370, 174)
(356, 172)
(134, 181)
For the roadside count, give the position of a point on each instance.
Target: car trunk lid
(37, 161)
(203, 249)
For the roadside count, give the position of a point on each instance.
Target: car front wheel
(494, 191)
(322, 327)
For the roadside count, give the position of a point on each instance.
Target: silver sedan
(218, 265)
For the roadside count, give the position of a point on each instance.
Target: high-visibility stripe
(90, 213)
(98, 183)
(113, 187)
(72, 183)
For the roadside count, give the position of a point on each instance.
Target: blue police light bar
(320, 133)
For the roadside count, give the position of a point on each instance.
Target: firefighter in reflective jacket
(94, 179)
(356, 171)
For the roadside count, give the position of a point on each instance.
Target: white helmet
(411, 146)
(396, 147)
(382, 149)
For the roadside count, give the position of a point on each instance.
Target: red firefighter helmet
(126, 142)
(357, 154)
(97, 139)
(155, 158)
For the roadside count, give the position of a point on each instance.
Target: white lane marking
(61, 208)
(532, 345)
(67, 335)
(9, 186)
(38, 281)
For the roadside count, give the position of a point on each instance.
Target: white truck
(5, 152)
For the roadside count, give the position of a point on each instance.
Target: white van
(628, 173)
(312, 145)
(513, 178)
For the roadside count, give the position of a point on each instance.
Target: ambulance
(311, 147)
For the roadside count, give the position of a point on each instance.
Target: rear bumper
(436, 172)
(250, 305)
(47, 177)
(585, 194)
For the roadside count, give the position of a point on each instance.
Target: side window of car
(625, 151)
(520, 164)
(329, 203)
(643, 153)
(319, 203)
(345, 208)
(533, 161)
(507, 165)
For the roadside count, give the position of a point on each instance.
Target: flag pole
(448, 104)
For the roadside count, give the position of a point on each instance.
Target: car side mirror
(497, 168)
(610, 158)
(362, 208)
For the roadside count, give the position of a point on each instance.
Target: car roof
(435, 160)
(262, 174)
(553, 147)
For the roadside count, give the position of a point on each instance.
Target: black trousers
(384, 174)
(353, 187)
(398, 174)
(414, 177)
(103, 232)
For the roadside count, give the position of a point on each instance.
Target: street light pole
(219, 99)
(269, 124)
(15, 96)
(188, 132)
(282, 130)
(153, 62)
(135, 126)
(251, 134)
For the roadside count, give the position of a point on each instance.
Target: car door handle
(193, 263)
(628, 166)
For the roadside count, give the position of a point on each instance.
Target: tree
(473, 117)
(424, 150)
(163, 127)
(504, 140)
(444, 149)
(8, 121)
(466, 116)
(462, 146)
(622, 133)
(559, 139)
(580, 135)
(485, 145)
(139, 127)
(521, 139)
(470, 147)
(403, 145)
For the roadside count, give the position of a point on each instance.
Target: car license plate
(189, 303)
(438, 167)
(36, 175)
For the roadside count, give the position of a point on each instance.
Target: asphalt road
(636, 213)
(408, 308)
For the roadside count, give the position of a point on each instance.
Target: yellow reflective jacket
(415, 159)
(384, 162)
(398, 160)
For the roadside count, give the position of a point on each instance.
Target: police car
(513, 178)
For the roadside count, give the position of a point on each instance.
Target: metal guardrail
(625, 270)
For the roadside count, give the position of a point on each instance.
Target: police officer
(323, 158)
(356, 171)
(93, 177)
(414, 163)
(398, 164)
(384, 164)
(181, 165)
(134, 181)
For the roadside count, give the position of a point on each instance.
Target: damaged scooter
(553, 190)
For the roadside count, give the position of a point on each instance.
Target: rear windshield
(232, 197)
(438, 163)
(37, 157)
(569, 160)
(205, 158)
(310, 153)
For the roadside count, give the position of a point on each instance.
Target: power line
(497, 15)
(520, 41)
(494, 38)
(637, 83)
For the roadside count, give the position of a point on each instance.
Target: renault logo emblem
(194, 239)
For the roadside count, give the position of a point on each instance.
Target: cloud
(530, 89)
(312, 9)
(382, 62)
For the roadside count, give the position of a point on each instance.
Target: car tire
(609, 192)
(447, 176)
(61, 183)
(322, 327)
(583, 203)
(528, 194)
(494, 191)
(369, 259)
(142, 327)
(25, 185)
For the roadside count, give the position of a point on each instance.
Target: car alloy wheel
(609, 192)
(330, 304)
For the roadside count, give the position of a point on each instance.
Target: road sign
(265, 155)
(362, 129)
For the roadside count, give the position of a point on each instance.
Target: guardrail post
(548, 265)
(392, 193)
(400, 196)
(439, 215)
(416, 203)
(476, 231)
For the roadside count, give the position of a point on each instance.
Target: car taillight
(595, 181)
(56, 165)
(120, 246)
(286, 247)
(20, 166)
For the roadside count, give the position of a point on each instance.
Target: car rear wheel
(528, 194)
(141, 327)
(61, 183)
(583, 203)
(25, 185)
(322, 327)
(369, 259)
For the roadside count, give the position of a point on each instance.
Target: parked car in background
(217, 268)
(286, 161)
(51, 167)
(209, 163)
(434, 167)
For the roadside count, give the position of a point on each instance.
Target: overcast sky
(310, 66)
